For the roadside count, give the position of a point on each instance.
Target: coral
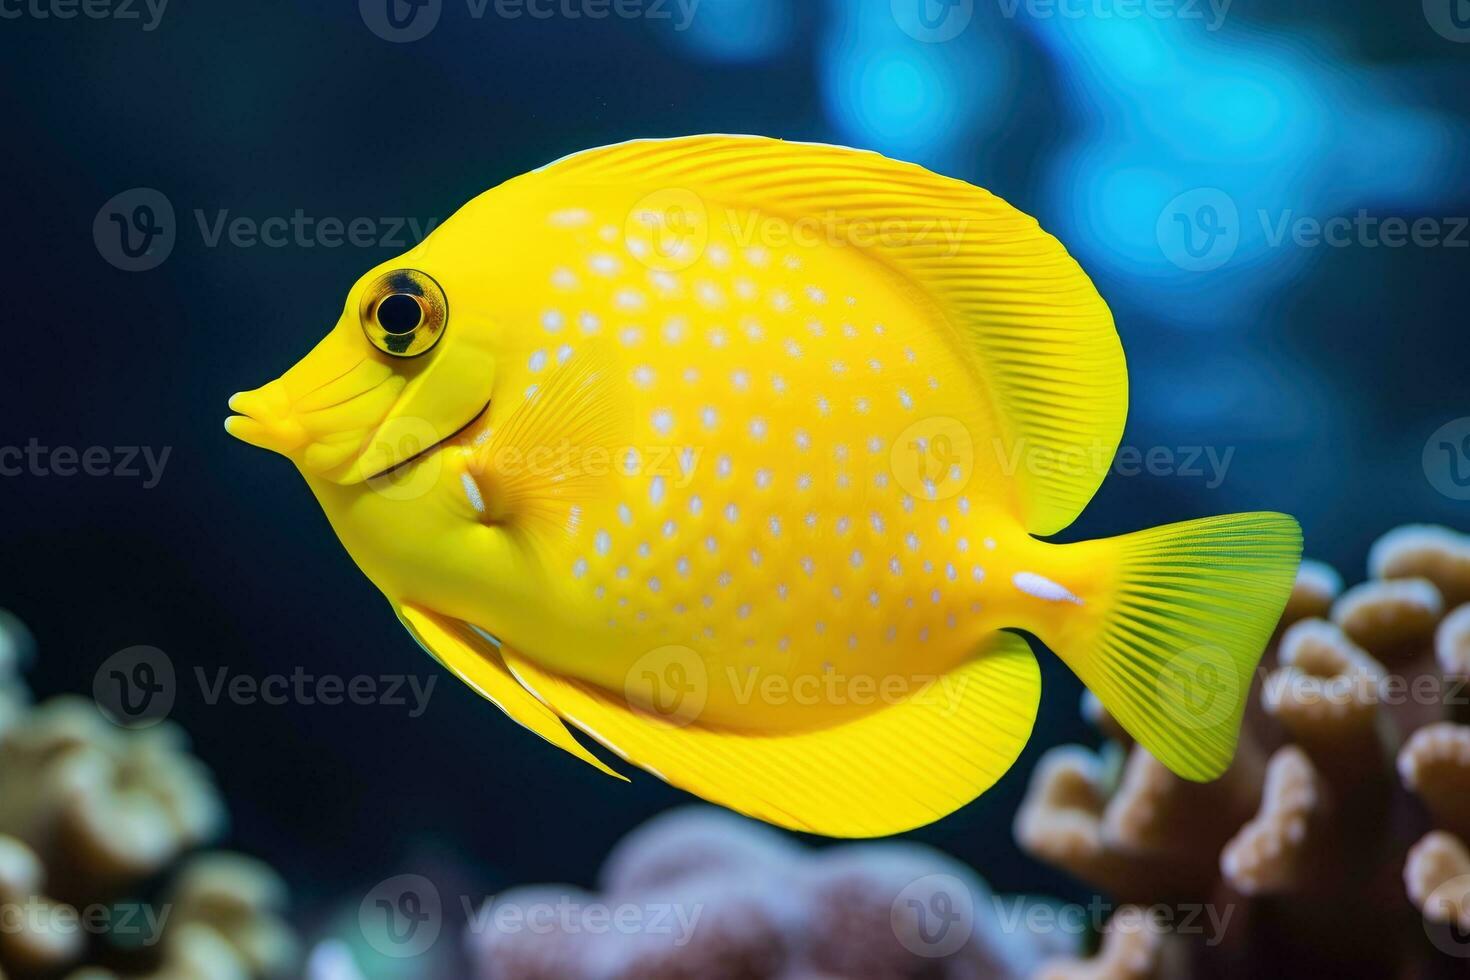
(92, 816)
(1338, 836)
(703, 893)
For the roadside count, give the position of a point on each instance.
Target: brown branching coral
(1344, 851)
(702, 893)
(91, 817)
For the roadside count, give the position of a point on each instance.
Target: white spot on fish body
(472, 492)
(570, 218)
(1043, 588)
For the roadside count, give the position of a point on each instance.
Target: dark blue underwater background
(1175, 151)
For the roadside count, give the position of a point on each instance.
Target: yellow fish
(735, 453)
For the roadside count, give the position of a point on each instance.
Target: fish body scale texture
(766, 506)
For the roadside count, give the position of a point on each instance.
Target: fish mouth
(403, 465)
(378, 444)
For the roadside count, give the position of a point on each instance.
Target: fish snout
(265, 418)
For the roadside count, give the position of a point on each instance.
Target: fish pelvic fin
(1167, 626)
(902, 765)
(475, 661)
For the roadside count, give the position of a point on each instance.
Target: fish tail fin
(1177, 619)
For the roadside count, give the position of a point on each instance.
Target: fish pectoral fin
(551, 452)
(476, 662)
(898, 767)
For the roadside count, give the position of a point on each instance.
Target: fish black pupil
(399, 313)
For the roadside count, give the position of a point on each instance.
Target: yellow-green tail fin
(1171, 641)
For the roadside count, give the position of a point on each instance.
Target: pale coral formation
(1136, 945)
(1344, 852)
(91, 816)
(703, 893)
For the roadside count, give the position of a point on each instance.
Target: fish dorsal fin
(855, 779)
(1038, 335)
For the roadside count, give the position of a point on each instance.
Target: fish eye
(404, 313)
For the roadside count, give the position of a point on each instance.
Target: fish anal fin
(476, 662)
(900, 766)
